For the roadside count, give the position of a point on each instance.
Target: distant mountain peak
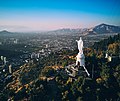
(102, 24)
(104, 29)
(5, 32)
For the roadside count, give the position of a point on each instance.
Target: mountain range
(99, 29)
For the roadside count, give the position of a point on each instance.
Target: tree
(114, 48)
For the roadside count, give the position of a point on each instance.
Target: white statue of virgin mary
(80, 45)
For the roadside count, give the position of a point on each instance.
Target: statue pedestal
(75, 71)
(80, 59)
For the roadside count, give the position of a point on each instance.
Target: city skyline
(39, 15)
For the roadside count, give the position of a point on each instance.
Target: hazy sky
(28, 15)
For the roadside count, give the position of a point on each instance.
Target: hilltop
(48, 81)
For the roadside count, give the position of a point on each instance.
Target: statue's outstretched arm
(76, 40)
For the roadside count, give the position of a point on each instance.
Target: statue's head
(80, 38)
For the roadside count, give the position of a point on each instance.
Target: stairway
(74, 71)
